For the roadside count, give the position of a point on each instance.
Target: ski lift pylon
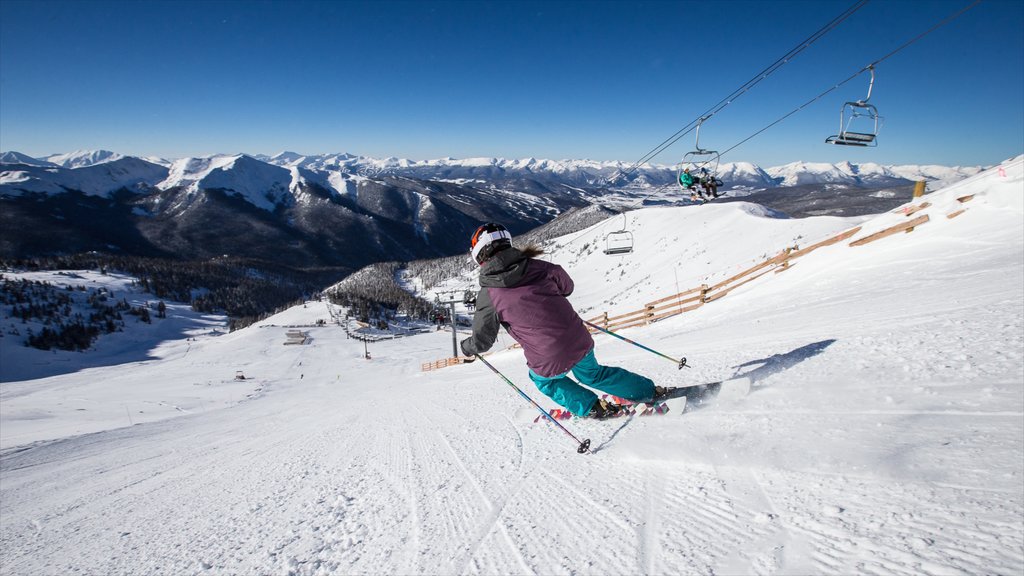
(858, 121)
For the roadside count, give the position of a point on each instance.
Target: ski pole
(584, 446)
(681, 362)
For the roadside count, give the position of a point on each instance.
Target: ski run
(883, 432)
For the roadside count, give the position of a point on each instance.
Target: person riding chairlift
(706, 182)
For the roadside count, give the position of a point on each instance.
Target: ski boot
(602, 410)
(661, 393)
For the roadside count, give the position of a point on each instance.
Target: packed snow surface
(883, 433)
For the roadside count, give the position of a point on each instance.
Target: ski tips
(733, 390)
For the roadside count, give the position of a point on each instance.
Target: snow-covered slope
(867, 174)
(136, 341)
(797, 173)
(101, 179)
(742, 173)
(262, 181)
(262, 185)
(83, 158)
(883, 434)
(12, 157)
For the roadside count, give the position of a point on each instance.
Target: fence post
(919, 189)
(785, 261)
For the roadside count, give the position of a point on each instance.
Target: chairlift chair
(700, 161)
(860, 115)
(620, 242)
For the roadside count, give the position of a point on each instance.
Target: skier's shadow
(609, 440)
(758, 370)
(765, 367)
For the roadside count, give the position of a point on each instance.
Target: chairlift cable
(947, 20)
(728, 100)
(747, 86)
(665, 144)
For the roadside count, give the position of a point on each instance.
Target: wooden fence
(442, 363)
(694, 298)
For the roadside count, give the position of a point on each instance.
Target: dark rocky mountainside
(391, 218)
(301, 223)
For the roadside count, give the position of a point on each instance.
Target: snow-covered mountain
(735, 174)
(346, 211)
(237, 205)
(867, 174)
(101, 179)
(744, 175)
(12, 157)
(83, 158)
(256, 179)
(882, 434)
(263, 185)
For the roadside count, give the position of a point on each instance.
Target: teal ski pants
(612, 380)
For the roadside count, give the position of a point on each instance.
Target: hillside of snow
(132, 174)
(883, 434)
(134, 341)
(83, 158)
(13, 157)
(262, 185)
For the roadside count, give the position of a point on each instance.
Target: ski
(719, 391)
(563, 414)
(640, 408)
(733, 390)
(676, 401)
(628, 408)
(700, 199)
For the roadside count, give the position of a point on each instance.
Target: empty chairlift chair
(620, 242)
(858, 121)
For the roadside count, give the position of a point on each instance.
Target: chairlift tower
(451, 301)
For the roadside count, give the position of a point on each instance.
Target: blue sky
(420, 80)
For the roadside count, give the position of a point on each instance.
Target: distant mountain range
(240, 206)
(337, 210)
(338, 171)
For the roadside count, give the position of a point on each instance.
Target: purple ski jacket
(528, 297)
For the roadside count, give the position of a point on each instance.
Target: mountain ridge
(337, 168)
(344, 211)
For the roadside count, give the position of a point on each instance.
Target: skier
(528, 297)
